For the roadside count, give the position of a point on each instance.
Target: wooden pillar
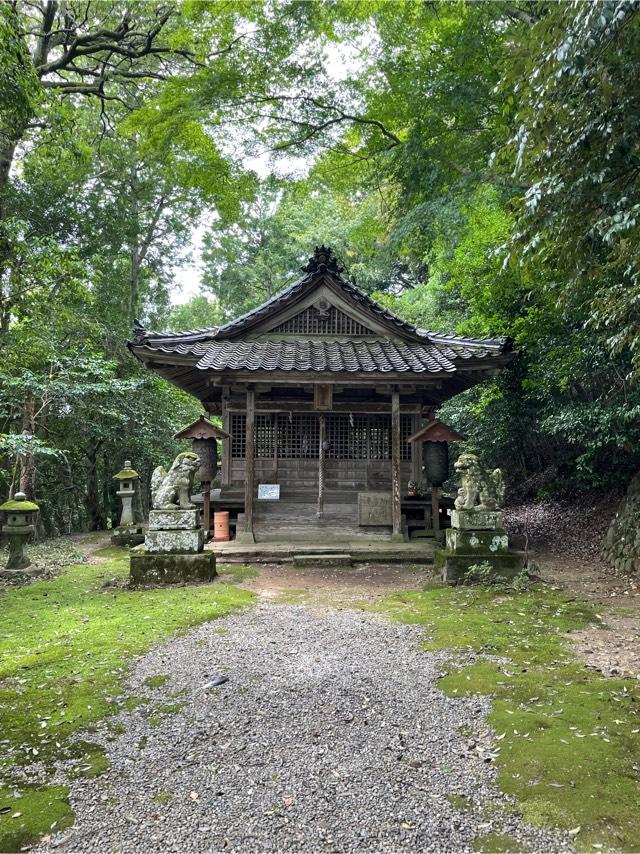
(321, 453)
(225, 468)
(396, 511)
(435, 511)
(416, 455)
(249, 468)
(206, 510)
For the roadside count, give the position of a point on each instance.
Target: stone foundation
(154, 568)
(453, 566)
(127, 535)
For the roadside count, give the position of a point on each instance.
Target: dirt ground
(613, 646)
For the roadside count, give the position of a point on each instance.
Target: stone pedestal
(172, 550)
(477, 536)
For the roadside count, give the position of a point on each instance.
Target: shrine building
(320, 389)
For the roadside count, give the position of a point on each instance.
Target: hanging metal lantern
(436, 462)
(207, 451)
(434, 437)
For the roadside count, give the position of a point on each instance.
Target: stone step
(303, 560)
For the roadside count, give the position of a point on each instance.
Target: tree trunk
(95, 514)
(134, 243)
(27, 461)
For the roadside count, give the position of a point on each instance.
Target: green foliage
(572, 145)
(567, 737)
(64, 651)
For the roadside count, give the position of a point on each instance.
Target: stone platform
(358, 550)
(172, 552)
(477, 536)
(154, 568)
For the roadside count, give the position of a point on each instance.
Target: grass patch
(28, 812)
(292, 596)
(64, 651)
(460, 802)
(156, 681)
(568, 738)
(236, 574)
(497, 843)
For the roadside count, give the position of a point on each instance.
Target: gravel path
(330, 735)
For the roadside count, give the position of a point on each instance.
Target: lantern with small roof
(19, 526)
(204, 435)
(434, 438)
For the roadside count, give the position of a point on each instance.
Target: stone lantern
(127, 533)
(19, 527)
(204, 435)
(434, 437)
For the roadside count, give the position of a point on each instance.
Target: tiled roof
(406, 349)
(317, 355)
(327, 356)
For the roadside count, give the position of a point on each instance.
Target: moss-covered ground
(65, 648)
(567, 739)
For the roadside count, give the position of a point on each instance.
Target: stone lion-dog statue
(480, 489)
(171, 490)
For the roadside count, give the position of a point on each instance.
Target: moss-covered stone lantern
(128, 532)
(19, 526)
(204, 435)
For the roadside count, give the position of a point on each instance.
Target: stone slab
(146, 568)
(477, 541)
(174, 542)
(174, 520)
(477, 520)
(374, 508)
(322, 560)
(127, 535)
(453, 567)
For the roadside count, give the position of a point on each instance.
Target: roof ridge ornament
(323, 260)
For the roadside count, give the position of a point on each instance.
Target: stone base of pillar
(146, 568)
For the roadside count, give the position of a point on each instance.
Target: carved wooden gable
(322, 318)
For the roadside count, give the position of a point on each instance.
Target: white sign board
(268, 492)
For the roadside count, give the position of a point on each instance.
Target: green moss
(92, 759)
(24, 506)
(497, 843)
(42, 809)
(292, 596)
(569, 739)
(460, 802)
(65, 647)
(117, 553)
(132, 703)
(163, 797)
(236, 574)
(126, 474)
(156, 681)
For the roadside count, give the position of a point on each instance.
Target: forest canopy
(474, 165)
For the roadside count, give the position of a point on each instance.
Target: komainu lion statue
(480, 489)
(171, 490)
